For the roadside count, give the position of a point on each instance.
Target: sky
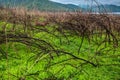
(82, 2)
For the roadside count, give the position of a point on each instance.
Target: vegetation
(71, 46)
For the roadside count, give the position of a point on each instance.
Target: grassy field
(27, 62)
(52, 53)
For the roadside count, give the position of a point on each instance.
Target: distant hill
(44, 5)
(101, 8)
(111, 8)
(47, 5)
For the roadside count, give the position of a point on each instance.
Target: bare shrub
(86, 26)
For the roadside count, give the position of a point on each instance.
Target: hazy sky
(116, 2)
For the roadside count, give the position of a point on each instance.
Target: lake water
(117, 13)
(114, 13)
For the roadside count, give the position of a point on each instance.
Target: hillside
(101, 8)
(44, 5)
(47, 5)
(112, 8)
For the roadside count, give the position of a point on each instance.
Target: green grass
(27, 62)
